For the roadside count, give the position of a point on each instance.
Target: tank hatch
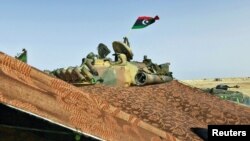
(103, 50)
(122, 48)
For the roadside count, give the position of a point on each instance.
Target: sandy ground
(243, 82)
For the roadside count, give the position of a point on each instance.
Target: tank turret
(121, 71)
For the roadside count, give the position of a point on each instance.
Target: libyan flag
(144, 21)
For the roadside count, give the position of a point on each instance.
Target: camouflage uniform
(90, 59)
(23, 56)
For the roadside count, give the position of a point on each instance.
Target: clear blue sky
(201, 39)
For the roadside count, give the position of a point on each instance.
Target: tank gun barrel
(142, 78)
(236, 86)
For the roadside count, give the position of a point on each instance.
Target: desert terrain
(243, 82)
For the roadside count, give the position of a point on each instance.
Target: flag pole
(129, 32)
(125, 39)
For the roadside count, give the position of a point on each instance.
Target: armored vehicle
(121, 71)
(223, 92)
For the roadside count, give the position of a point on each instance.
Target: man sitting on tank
(120, 59)
(154, 68)
(89, 61)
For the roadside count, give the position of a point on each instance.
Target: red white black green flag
(144, 21)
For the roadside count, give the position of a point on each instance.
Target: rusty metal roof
(173, 107)
(156, 112)
(30, 90)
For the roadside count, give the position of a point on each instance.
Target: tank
(119, 71)
(223, 92)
